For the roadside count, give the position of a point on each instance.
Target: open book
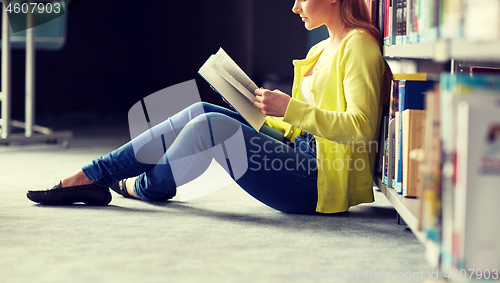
(231, 82)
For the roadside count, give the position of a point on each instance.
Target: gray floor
(226, 236)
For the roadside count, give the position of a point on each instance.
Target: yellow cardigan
(343, 117)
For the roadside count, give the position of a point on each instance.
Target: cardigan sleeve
(359, 71)
(289, 131)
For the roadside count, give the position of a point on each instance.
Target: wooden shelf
(463, 50)
(444, 49)
(407, 208)
(424, 50)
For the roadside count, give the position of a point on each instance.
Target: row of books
(451, 155)
(403, 132)
(470, 166)
(411, 21)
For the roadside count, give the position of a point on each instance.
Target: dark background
(118, 52)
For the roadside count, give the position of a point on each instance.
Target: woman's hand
(272, 103)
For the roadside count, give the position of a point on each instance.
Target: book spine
(404, 23)
(452, 19)
(421, 19)
(381, 19)
(414, 33)
(430, 190)
(390, 154)
(399, 21)
(398, 164)
(394, 101)
(441, 17)
(374, 12)
(387, 21)
(383, 145)
(393, 22)
(406, 129)
(399, 136)
(409, 22)
(413, 130)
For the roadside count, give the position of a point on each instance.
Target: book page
(229, 88)
(233, 74)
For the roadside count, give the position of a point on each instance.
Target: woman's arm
(274, 104)
(359, 74)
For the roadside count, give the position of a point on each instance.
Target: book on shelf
(393, 108)
(434, 32)
(411, 96)
(390, 151)
(393, 22)
(394, 100)
(390, 22)
(399, 21)
(404, 21)
(382, 145)
(398, 168)
(481, 20)
(413, 135)
(477, 211)
(372, 6)
(427, 20)
(429, 189)
(387, 136)
(451, 19)
(234, 85)
(391, 136)
(381, 19)
(456, 89)
(412, 21)
(412, 93)
(413, 77)
(411, 17)
(387, 21)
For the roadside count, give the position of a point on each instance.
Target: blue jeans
(182, 147)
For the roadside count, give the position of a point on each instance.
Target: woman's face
(314, 13)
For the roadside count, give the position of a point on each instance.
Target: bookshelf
(407, 208)
(455, 36)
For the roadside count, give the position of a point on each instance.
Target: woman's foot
(90, 194)
(75, 188)
(78, 178)
(125, 188)
(120, 187)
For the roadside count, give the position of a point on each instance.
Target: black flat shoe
(119, 187)
(88, 194)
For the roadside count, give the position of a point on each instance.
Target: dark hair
(355, 15)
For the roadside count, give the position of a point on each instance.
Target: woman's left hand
(271, 103)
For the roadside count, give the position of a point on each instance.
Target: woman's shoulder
(359, 43)
(359, 36)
